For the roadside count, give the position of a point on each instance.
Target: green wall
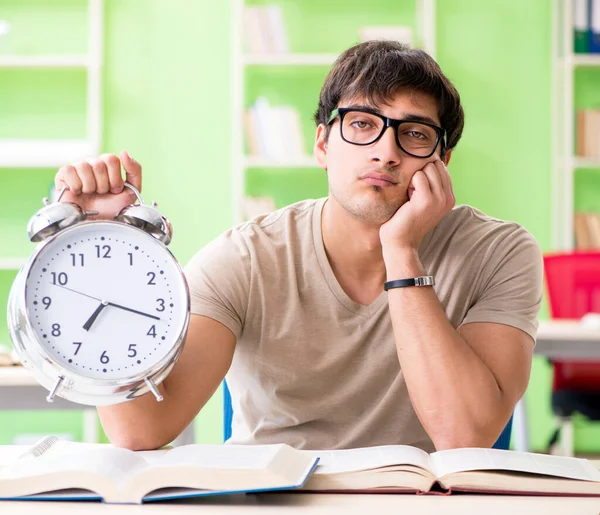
(167, 102)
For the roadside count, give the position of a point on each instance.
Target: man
(292, 305)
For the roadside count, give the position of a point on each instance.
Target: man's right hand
(96, 184)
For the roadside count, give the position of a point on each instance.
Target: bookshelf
(51, 68)
(301, 69)
(20, 154)
(567, 98)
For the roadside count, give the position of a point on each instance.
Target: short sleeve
(218, 276)
(512, 292)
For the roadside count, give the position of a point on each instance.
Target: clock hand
(133, 311)
(95, 314)
(80, 293)
(109, 303)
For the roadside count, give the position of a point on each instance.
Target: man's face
(348, 165)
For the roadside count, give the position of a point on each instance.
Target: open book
(59, 470)
(399, 468)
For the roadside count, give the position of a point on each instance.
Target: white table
(563, 340)
(323, 504)
(19, 390)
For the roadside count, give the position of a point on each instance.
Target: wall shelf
(44, 61)
(290, 59)
(14, 263)
(297, 162)
(24, 153)
(586, 162)
(585, 59)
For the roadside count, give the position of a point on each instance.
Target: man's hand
(430, 198)
(96, 184)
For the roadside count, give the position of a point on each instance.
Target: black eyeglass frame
(387, 122)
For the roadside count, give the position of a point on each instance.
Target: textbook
(399, 468)
(60, 470)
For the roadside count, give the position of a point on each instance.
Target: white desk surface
(567, 339)
(566, 329)
(326, 504)
(16, 376)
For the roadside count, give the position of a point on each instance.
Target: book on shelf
(586, 26)
(273, 132)
(594, 34)
(588, 133)
(405, 469)
(581, 26)
(587, 230)
(55, 469)
(264, 30)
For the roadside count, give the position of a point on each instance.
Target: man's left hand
(430, 198)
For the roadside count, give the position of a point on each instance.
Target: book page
(460, 460)
(221, 467)
(216, 456)
(367, 458)
(103, 459)
(10, 453)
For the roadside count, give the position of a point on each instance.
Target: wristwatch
(425, 280)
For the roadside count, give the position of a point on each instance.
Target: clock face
(106, 300)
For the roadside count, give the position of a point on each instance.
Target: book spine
(581, 26)
(580, 134)
(277, 32)
(594, 33)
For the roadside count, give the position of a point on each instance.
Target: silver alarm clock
(100, 310)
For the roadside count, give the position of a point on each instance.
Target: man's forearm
(137, 424)
(454, 393)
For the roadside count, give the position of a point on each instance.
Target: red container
(573, 285)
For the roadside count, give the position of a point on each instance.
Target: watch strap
(425, 280)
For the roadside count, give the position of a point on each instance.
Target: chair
(573, 286)
(503, 441)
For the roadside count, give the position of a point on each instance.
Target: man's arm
(144, 423)
(463, 383)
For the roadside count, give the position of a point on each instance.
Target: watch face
(106, 300)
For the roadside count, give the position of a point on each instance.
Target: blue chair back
(227, 412)
(503, 441)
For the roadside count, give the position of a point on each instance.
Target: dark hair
(377, 70)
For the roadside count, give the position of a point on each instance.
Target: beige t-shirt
(316, 370)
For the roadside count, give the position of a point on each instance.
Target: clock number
(46, 301)
(60, 278)
(152, 332)
(105, 249)
(74, 259)
(78, 346)
(130, 254)
(152, 276)
(55, 329)
(104, 358)
(132, 352)
(161, 303)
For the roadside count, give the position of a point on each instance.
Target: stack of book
(586, 26)
(273, 132)
(587, 231)
(264, 30)
(588, 133)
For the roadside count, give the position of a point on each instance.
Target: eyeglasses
(362, 126)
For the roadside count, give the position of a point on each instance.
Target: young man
(292, 305)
